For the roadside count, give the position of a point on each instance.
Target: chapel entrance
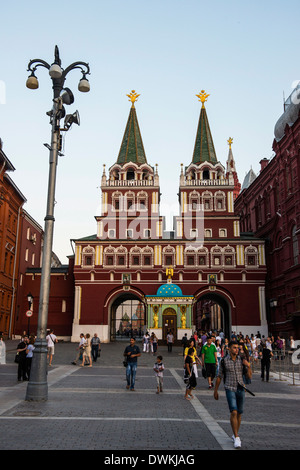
(169, 323)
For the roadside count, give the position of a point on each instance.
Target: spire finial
(133, 96)
(202, 97)
(230, 140)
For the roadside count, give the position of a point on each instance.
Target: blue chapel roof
(169, 290)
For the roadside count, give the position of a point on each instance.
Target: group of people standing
(150, 343)
(25, 350)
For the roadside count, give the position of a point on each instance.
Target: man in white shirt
(51, 340)
(80, 348)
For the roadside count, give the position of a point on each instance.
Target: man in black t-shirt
(266, 355)
(132, 352)
(21, 349)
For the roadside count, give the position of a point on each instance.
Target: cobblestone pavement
(90, 408)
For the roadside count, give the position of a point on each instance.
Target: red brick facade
(270, 208)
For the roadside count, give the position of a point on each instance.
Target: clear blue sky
(245, 54)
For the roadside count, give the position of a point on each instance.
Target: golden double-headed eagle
(133, 96)
(202, 97)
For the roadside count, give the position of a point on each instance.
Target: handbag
(17, 358)
(125, 363)
(204, 372)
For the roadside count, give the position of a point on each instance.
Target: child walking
(190, 377)
(159, 373)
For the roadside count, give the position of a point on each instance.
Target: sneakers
(237, 443)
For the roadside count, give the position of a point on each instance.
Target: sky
(244, 54)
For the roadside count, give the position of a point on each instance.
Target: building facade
(11, 203)
(133, 276)
(269, 207)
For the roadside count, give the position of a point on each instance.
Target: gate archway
(127, 317)
(214, 310)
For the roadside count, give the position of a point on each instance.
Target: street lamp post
(30, 302)
(37, 389)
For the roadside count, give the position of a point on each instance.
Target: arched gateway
(214, 310)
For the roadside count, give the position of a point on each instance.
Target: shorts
(210, 369)
(235, 400)
(51, 350)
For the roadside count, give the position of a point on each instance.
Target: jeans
(95, 352)
(130, 374)
(235, 400)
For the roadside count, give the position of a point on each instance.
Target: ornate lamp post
(37, 389)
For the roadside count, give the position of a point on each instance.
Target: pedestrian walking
(153, 343)
(96, 347)
(190, 377)
(159, 373)
(29, 355)
(231, 370)
(79, 349)
(265, 362)
(21, 350)
(184, 342)
(132, 352)
(170, 341)
(87, 351)
(146, 342)
(209, 360)
(51, 340)
(2, 351)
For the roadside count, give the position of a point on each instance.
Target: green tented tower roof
(204, 150)
(132, 148)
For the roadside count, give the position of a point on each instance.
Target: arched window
(168, 256)
(130, 174)
(206, 174)
(88, 256)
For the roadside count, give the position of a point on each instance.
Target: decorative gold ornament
(155, 320)
(133, 96)
(169, 272)
(230, 140)
(202, 97)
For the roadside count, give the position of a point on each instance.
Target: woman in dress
(87, 351)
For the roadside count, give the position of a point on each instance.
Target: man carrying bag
(231, 370)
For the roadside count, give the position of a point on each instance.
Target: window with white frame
(229, 256)
(117, 201)
(135, 256)
(142, 201)
(168, 256)
(88, 256)
(111, 233)
(193, 233)
(109, 257)
(129, 233)
(220, 201)
(207, 201)
(147, 256)
(251, 256)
